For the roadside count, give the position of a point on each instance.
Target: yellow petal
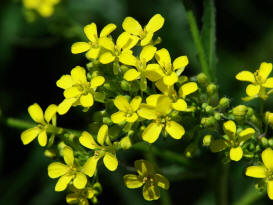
(88, 141)
(132, 118)
(80, 47)
(171, 79)
(264, 70)
(132, 181)
(164, 105)
(152, 99)
(65, 82)
(162, 87)
(107, 57)
(110, 161)
(151, 192)
(91, 32)
(144, 167)
(42, 138)
(36, 113)
(163, 57)
(102, 134)
(154, 72)
(50, 111)
(87, 100)
(122, 103)
(162, 181)
(72, 198)
(147, 39)
(80, 180)
(151, 132)
(126, 41)
(68, 155)
(236, 153)
(230, 128)
(29, 135)
(187, 89)
(93, 53)
(78, 75)
(147, 53)
(63, 182)
(64, 106)
(128, 59)
(72, 92)
(267, 157)
(268, 83)
(135, 103)
(97, 81)
(57, 169)
(131, 75)
(90, 166)
(252, 90)
(118, 117)
(107, 43)
(109, 28)
(246, 134)
(180, 62)
(125, 143)
(147, 112)
(270, 189)
(155, 23)
(132, 26)
(246, 76)
(180, 105)
(175, 130)
(256, 171)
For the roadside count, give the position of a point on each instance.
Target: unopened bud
(202, 79)
(211, 89)
(208, 121)
(239, 110)
(124, 85)
(217, 116)
(270, 142)
(125, 143)
(264, 141)
(207, 140)
(191, 150)
(209, 109)
(269, 118)
(224, 102)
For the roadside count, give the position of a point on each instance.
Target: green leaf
(208, 35)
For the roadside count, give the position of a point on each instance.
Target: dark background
(33, 56)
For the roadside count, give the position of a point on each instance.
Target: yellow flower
(105, 149)
(127, 112)
(147, 53)
(178, 102)
(67, 172)
(259, 81)
(234, 142)
(93, 47)
(43, 120)
(44, 7)
(165, 70)
(124, 43)
(81, 196)
(265, 171)
(158, 108)
(133, 27)
(77, 90)
(147, 177)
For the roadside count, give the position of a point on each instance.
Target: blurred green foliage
(33, 55)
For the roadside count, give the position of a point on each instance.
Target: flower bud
(208, 121)
(239, 110)
(211, 89)
(124, 85)
(209, 109)
(250, 111)
(270, 142)
(224, 102)
(264, 141)
(202, 79)
(217, 116)
(207, 140)
(191, 150)
(269, 118)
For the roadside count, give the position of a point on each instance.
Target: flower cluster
(136, 94)
(43, 7)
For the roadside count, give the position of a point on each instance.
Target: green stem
(198, 44)
(249, 197)
(222, 188)
(165, 154)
